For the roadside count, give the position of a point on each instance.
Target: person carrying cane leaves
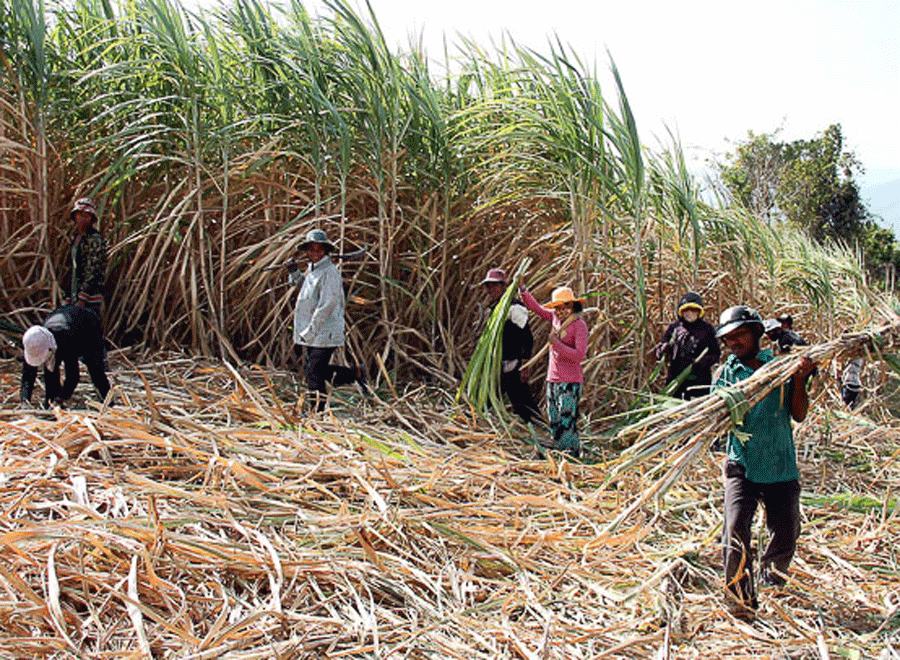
(517, 345)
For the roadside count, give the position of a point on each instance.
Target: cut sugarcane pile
(203, 517)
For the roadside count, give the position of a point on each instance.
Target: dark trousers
(53, 391)
(520, 395)
(782, 505)
(850, 395)
(96, 366)
(320, 371)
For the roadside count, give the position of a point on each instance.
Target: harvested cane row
(204, 516)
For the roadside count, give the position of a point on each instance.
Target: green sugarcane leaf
(892, 360)
(679, 379)
(737, 403)
(481, 380)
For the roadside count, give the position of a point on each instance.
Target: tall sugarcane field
(206, 508)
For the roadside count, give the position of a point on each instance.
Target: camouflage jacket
(88, 262)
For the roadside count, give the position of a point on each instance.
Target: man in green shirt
(761, 462)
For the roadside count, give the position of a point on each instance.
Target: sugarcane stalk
(356, 254)
(680, 378)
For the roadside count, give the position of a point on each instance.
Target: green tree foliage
(817, 190)
(811, 184)
(880, 247)
(752, 173)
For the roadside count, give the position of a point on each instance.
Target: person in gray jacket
(319, 319)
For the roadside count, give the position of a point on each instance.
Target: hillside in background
(883, 200)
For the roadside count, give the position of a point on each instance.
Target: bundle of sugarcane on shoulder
(684, 432)
(754, 399)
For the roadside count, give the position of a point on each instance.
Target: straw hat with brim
(38, 342)
(317, 236)
(495, 276)
(561, 296)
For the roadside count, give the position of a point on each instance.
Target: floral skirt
(562, 411)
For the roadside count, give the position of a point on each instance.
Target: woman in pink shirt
(568, 349)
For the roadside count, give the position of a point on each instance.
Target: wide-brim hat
(38, 341)
(317, 236)
(561, 296)
(770, 324)
(85, 204)
(495, 276)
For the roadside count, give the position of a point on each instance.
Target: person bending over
(70, 333)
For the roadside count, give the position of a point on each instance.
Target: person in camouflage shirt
(87, 258)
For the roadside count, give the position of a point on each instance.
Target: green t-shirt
(768, 455)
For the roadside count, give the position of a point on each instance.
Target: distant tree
(752, 174)
(811, 184)
(880, 248)
(807, 182)
(817, 190)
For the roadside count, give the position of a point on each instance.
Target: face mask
(691, 315)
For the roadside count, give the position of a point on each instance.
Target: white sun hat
(38, 342)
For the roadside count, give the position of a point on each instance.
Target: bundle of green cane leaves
(480, 384)
(666, 443)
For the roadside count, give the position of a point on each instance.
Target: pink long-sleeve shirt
(567, 354)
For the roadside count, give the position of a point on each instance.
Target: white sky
(712, 70)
